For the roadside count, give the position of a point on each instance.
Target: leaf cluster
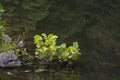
(47, 49)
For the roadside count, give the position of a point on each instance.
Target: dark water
(93, 23)
(52, 74)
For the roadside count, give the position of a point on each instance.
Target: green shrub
(47, 49)
(4, 44)
(7, 46)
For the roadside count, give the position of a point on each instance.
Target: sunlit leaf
(48, 50)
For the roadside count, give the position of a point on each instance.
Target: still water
(51, 74)
(93, 24)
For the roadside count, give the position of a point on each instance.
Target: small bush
(46, 49)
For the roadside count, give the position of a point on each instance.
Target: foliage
(68, 53)
(7, 46)
(1, 11)
(46, 45)
(24, 14)
(94, 23)
(1, 22)
(4, 44)
(47, 49)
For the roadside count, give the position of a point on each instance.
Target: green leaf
(76, 45)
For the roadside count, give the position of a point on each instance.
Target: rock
(7, 38)
(9, 59)
(20, 45)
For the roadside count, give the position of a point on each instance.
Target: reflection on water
(20, 74)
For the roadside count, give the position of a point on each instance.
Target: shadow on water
(62, 74)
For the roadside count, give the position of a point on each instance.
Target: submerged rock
(9, 59)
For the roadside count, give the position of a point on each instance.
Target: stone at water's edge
(7, 38)
(9, 59)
